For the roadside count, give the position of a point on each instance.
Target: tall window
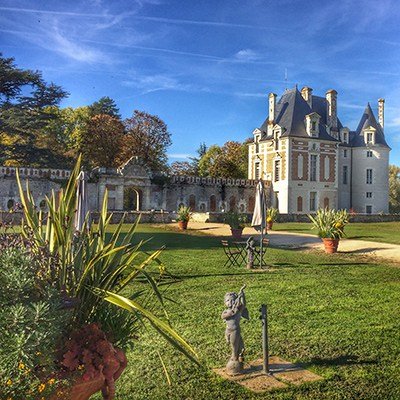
(369, 176)
(257, 170)
(313, 167)
(276, 141)
(369, 153)
(345, 153)
(345, 174)
(313, 201)
(313, 125)
(277, 170)
(299, 203)
(369, 195)
(368, 209)
(345, 137)
(257, 145)
(370, 136)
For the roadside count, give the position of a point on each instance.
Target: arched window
(299, 204)
(213, 203)
(250, 207)
(232, 203)
(192, 202)
(326, 202)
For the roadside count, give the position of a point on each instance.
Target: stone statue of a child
(236, 309)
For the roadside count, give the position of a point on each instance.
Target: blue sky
(206, 67)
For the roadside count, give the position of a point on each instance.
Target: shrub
(31, 324)
(235, 220)
(329, 223)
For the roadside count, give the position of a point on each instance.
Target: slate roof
(368, 119)
(291, 110)
(290, 113)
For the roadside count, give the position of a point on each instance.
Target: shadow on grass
(337, 361)
(363, 250)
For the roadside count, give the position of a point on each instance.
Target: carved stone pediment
(135, 169)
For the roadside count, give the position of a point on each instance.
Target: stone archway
(133, 198)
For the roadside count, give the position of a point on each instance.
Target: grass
(385, 232)
(337, 315)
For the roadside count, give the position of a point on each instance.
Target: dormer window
(369, 136)
(257, 144)
(312, 124)
(345, 135)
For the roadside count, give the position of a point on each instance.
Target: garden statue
(250, 248)
(236, 309)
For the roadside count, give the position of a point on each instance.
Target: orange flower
(21, 365)
(41, 387)
(51, 381)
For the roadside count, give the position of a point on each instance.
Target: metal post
(264, 319)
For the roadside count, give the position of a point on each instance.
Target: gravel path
(302, 240)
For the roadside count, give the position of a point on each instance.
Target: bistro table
(251, 259)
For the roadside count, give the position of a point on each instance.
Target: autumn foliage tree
(147, 137)
(228, 161)
(102, 144)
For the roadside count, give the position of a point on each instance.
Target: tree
(394, 189)
(102, 144)
(201, 151)
(182, 168)
(148, 138)
(105, 105)
(228, 161)
(25, 99)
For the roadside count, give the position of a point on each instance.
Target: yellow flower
(51, 381)
(21, 365)
(41, 387)
(9, 382)
(38, 353)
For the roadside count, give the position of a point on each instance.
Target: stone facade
(132, 188)
(313, 161)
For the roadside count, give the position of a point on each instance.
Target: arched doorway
(326, 202)
(132, 198)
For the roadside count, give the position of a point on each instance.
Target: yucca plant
(272, 214)
(92, 266)
(184, 214)
(329, 223)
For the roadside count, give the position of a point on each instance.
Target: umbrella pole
(261, 247)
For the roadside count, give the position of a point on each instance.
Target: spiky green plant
(92, 266)
(329, 223)
(184, 214)
(272, 214)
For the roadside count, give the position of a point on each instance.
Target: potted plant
(236, 222)
(83, 273)
(330, 225)
(183, 217)
(272, 215)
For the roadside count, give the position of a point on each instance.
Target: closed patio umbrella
(81, 201)
(259, 220)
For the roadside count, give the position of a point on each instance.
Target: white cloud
(181, 156)
(246, 55)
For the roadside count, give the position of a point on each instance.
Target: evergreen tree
(105, 105)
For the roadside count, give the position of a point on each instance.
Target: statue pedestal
(283, 373)
(234, 368)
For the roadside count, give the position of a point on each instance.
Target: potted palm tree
(183, 217)
(272, 215)
(330, 225)
(236, 222)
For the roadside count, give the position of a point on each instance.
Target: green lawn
(387, 232)
(336, 315)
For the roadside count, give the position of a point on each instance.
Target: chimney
(272, 107)
(381, 112)
(331, 112)
(306, 92)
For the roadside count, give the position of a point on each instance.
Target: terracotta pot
(82, 389)
(331, 245)
(183, 225)
(269, 225)
(236, 233)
